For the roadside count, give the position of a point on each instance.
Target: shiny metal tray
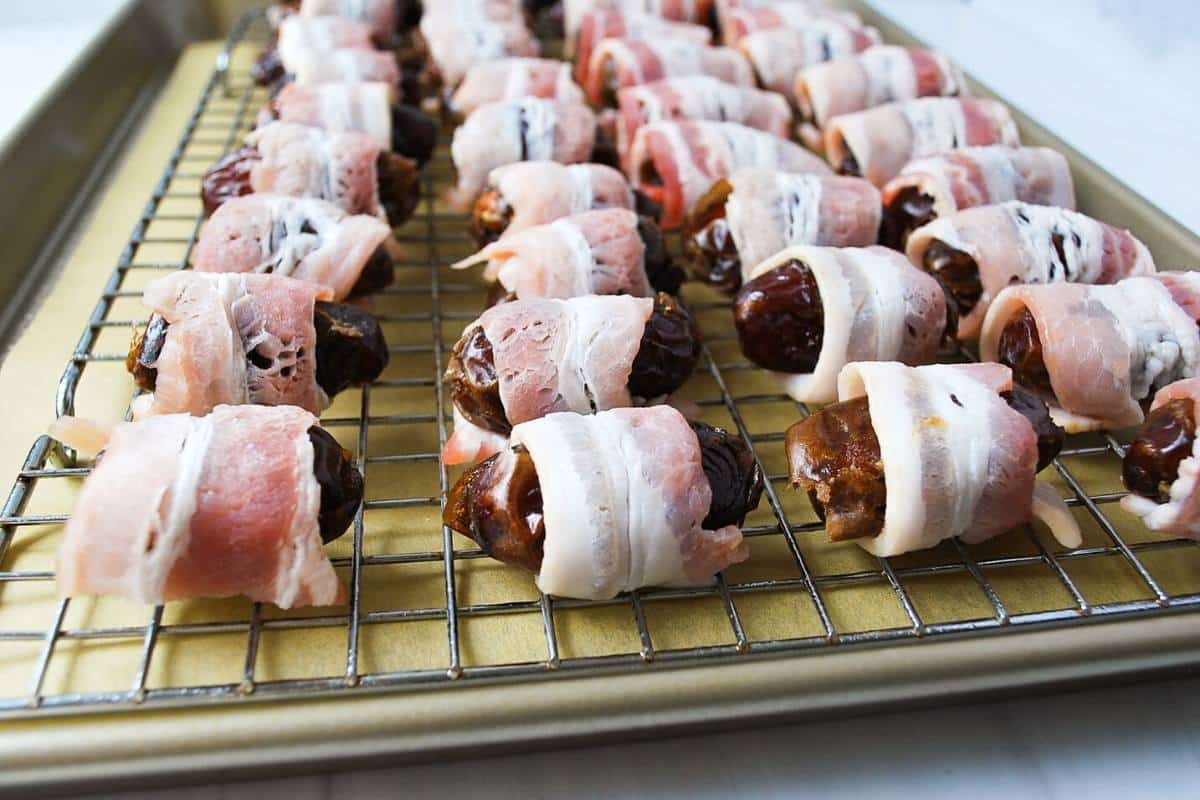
(441, 650)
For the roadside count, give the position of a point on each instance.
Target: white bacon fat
(624, 496)
(597, 252)
(214, 506)
(1106, 348)
(215, 323)
(529, 129)
(768, 210)
(1015, 243)
(301, 237)
(957, 460)
(876, 306)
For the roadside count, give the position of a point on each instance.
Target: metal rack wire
(796, 595)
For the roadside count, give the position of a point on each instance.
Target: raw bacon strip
(300, 161)
(1020, 243)
(614, 24)
(624, 495)
(462, 34)
(299, 35)
(597, 252)
(542, 191)
(982, 176)
(620, 63)
(216, 323)
(378, 15)
(348, 66)
(306, 238)
(565, 355)
(698, 97)
(878, 75)
(740, 19)
(529, 129)
(779, 54)
(214, 506)
(512, 79)
(878, 142)
(1180, 515)
(769, 210)
(877, 307)
(577, 12)
(554, 355)
(957, 460)
(674, 163)
(1106, 348)
(339, 108)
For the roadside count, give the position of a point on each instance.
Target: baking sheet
(502, 632)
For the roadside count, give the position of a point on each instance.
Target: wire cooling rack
(428, 610)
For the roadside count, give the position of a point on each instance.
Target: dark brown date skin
(666, 358)
(709, 252)
(957, 272)
(1050, 437)
(1166, 438)
(399, 187)
(414, 133)
(377, 274)
(340, 481)
(144, 351)
(910, 209)
(1020, 348)
(268, 67)
(780, 320)
(509, 528)
(732, 473)
(474, 383)
(669, 350)
(490, 218)
(228, 178)
(661, 271)
(849, 164)
(350, 348)
(833, 455)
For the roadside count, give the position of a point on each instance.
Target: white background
(1121, 80)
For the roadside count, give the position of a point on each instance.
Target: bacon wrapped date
(895, 464)
(519, 362)
(662, 495)
(289, 346)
